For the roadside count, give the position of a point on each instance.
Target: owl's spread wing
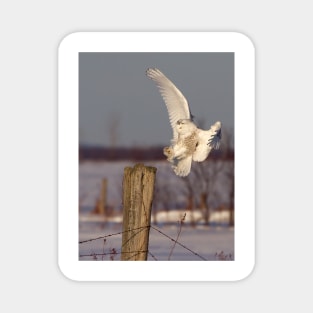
(183, 166)
(176, 103)
(207, 140)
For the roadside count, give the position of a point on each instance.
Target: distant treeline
(136, 153)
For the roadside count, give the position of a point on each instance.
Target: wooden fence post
(138, 187)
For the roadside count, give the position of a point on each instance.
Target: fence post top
(141, 166)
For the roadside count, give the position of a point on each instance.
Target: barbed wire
(177, 242)
(137, 252)
(106, 236)
(110, 253)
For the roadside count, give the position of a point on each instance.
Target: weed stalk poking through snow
(178, 234)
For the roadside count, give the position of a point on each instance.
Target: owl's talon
(169, 153)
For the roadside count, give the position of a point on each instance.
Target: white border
(244, 261)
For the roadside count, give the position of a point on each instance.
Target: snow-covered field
(205, 242)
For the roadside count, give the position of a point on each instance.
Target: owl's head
(185, 126)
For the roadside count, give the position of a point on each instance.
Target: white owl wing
(183, 166)
(176, 103)
(207, 140)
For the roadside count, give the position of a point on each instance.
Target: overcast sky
(114, 90)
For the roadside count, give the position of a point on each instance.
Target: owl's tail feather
(183, 166)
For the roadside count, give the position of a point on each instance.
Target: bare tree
(228, 147)
(227, 142)
(230, 176)
(206, 175)
(164, 196)
(113, 123)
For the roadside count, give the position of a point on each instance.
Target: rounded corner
(247, 273)
(67, 40)
(245, 39)
(63, 272)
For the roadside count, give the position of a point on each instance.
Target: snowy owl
(189, 143)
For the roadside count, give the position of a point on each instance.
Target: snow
(203, 240)
(212, 242)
